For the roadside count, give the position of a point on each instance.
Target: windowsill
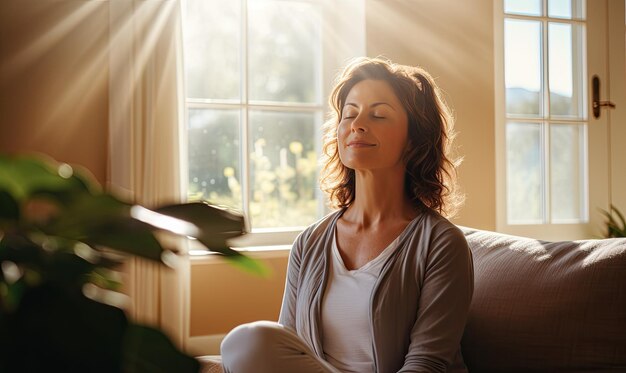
(195, 253)
(202, 257)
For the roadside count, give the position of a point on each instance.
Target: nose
(358, 125)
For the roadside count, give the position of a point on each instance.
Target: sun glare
(74, 66)
(165, 222)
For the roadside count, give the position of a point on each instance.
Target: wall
(54, 80)
(242, 297)
(617, 56)
(453, 40)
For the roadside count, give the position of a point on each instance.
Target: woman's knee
(267, 347)
(256, 338)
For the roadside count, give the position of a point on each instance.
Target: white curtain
(146, 113)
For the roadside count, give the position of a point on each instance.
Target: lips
(360, 144)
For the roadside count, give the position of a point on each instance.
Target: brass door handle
(596, 104)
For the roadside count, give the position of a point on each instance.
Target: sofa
(546, 306)
(541, 306)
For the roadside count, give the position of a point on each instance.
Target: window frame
(330, 62)
(545, 119)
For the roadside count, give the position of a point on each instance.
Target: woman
(384, 283)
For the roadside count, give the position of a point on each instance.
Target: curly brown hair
(430, 178)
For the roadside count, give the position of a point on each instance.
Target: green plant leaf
(69, 269)
(215, 225)
(86, 215)
(620, 216)
(19, 249)
(103, 220)
(9, 208)
(21, 177)
(248, 264)
(60, 266)
(104, 280)
(56, 330)
(614, 228)
(11, 295)
(148, 350)
(58, 226)
(128, 236)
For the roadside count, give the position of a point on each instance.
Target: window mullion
(545, 70)
(244, 133)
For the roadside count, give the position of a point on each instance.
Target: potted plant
(615, 223)
(61, 238)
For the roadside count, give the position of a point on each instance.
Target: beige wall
(54, 80)
(223, 297)
(617, 61)
(453, 40)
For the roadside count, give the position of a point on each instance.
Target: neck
(378, 198)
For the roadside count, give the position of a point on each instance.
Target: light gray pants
(268, 347)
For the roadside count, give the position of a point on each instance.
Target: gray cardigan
(419, 304)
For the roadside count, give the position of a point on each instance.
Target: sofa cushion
(546, 306)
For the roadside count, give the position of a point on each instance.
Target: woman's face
(373, 129)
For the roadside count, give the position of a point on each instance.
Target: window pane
(283, 169)
(522, 59)
(527, 7)
(566, 173)
(566, 9)
(284, 51)
(214, 161)
(524, 173)
(565, 67)
(212, 33)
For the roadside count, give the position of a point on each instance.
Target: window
(545, 110)
(257, 78)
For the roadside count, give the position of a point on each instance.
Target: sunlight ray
(51, 38)
(147, 19)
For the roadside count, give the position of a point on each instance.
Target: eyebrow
(372, 105)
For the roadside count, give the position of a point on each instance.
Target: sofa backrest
(546, 306)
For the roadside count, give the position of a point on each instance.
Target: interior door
(555, 155)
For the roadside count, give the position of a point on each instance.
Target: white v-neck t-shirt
(346, 327)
